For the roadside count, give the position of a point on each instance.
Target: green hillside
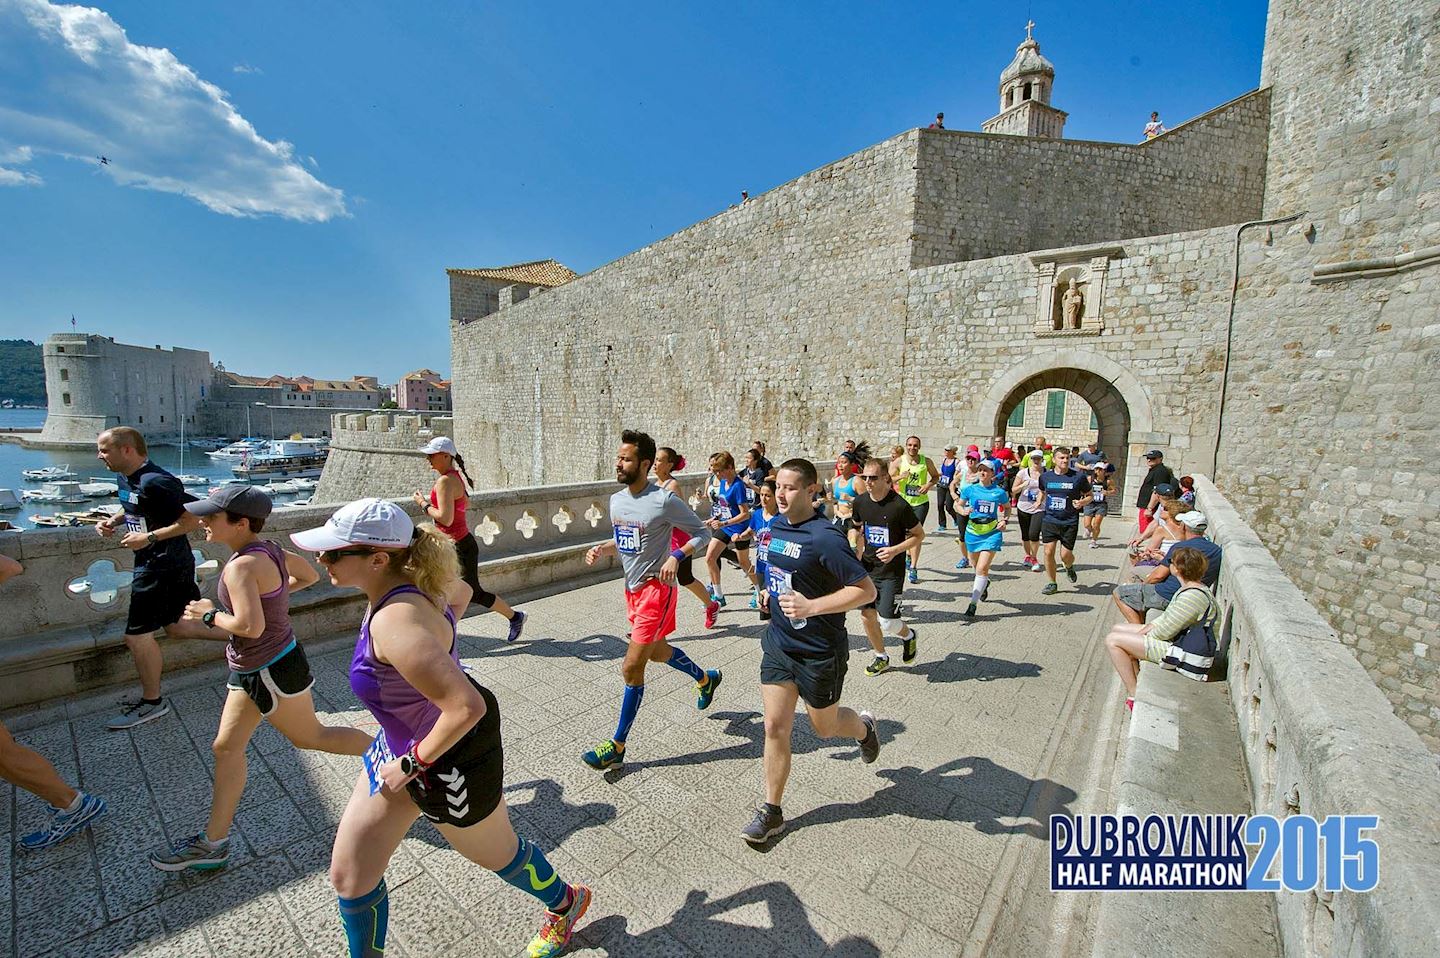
(22, 372)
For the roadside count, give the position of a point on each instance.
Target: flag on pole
(72, 320)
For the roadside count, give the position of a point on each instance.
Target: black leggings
(467, 550)
(1030, 525)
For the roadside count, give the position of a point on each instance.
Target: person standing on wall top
(1154, 128)
(446, 507)
(156, 527)
(939, 123)
(1157, 475)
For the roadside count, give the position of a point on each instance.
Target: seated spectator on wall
(1181, 638)
(1163, 530)
(1187, 490)
(1158, 588)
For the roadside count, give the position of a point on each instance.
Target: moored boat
(48, 473)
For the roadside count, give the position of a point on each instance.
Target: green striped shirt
(1191, 605)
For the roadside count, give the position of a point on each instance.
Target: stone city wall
(59, 637)
(378, 454)
(778, 319)
(235, 419)
(981, 195)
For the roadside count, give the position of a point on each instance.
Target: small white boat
(209, 445)
(282, 488)
(65, 492)
(8, 500)
(48, 474)
(53, 522)
(241, 449)
(305, 485)
(190, 479)
(99, 490)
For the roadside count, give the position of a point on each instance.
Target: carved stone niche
(1070, 289)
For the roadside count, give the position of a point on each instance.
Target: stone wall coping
(1338, 746)
(1133, 247)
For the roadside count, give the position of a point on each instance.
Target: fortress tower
(1025, 87)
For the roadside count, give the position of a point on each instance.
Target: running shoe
(914, 575)
(517, 625)
(193, 853)
(970, 611)
(1094, 543)
(1028, 561)
(1130, 704)
(1036, 566)
(1070, 574)
(64, 824)
(1050, 589)
(605, 755)
(881, 663)
(870, 744)
(712, 613)
(706, 690)
(763, 827)
(908, 655)
(985, 593)
(754, 598)
(719, 598)
(963, 564)
(135, 712)
(557, 930)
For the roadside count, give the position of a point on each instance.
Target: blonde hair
(429, 561)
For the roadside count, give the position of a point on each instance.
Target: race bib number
(1057, 503)
(627, 539)
(1099, 495)
(877, 536)
(982, 510)
(778, 581)
(910, 489)
(1032, 495)
(134, 523)
(720, 510)
(375, 756)
(762, 546)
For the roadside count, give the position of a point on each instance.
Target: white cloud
(73, 85)
(9, 177)
(246, 68)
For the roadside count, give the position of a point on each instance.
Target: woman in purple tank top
(443, 725)
(269, 676)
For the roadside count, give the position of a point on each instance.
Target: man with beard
(644, 516)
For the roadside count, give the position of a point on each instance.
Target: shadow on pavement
(964, 667)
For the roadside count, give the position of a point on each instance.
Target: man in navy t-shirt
(812, 579)
(1064, 491)
(1134, 599)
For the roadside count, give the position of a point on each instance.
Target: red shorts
(651, 611)
(1145, 519)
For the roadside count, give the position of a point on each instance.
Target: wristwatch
(408, 765)
(151, 538)
(209, 618)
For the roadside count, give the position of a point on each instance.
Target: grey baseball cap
(239, 499)
(1154, 454)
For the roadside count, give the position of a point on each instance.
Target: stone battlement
(378, 454)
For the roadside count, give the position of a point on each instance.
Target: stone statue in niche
(1072, 305)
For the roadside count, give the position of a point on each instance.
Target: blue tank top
(406, 715)
(844, 489)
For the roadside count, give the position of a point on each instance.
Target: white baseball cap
(440, 444)
(1194, 519)
(364, 522)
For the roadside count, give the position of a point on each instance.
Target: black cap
(1166, 490)
(239, 499)
(1154, 454)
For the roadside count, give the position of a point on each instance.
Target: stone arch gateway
(1121, 404)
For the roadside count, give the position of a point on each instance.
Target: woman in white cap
(269, 675)
(446, 506)
(443, 725)
(1030, 507)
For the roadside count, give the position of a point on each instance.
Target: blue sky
(288, 181)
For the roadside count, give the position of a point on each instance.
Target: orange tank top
(457, 529)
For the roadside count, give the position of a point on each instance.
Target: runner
(759, 446)
(668, 461)
(760, 522)
(1065, 493)
(157, 528)
(269, 675)
(730, 523)
(1086, 461)
(986, 508)
(844, 486)
(645, 517)
(9, 568)
(443, 724)
(969, 475)
(1026, 492)
(754, 473)
(885, 527)
(446, 506)
(70, 808)
(813, 580)
(915, 475)
(945, 492)
(1101, 488)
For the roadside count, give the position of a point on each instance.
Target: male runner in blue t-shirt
(812, 579)
(1064, 492)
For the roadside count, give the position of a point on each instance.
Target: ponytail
(677, 461)
(429, 561)
(460, 463)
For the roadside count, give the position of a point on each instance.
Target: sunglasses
(875, 478)
(331, 556)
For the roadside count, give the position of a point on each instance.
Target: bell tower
(1025, 87)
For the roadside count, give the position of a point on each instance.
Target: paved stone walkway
(894, 858)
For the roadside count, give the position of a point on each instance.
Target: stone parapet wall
(378, 454)
(54, 641)
(230, 419)
(1320, 739)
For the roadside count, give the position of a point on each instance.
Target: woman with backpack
(1181, 638)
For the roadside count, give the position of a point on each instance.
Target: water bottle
(798, 623)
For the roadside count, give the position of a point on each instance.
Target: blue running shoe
(605, 755)
(914, 575)
(517, 625)
(194, 853)
(62, 824)
(963, 564)
(754, 598)
(713, 678)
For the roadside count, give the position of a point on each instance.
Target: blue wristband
(678, 555)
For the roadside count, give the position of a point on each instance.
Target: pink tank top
(458, 528)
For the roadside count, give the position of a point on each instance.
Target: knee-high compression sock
(680, 662)
(532, 873)
(366, 919)
(978, 589)
(629, 707)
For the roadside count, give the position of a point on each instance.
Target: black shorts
(1030, 525)
(1061, 532)
(733, 539)
(158, 598)
(887, 595)
(820, 678)
(922, 510)
(465, 784)
(287, 676)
